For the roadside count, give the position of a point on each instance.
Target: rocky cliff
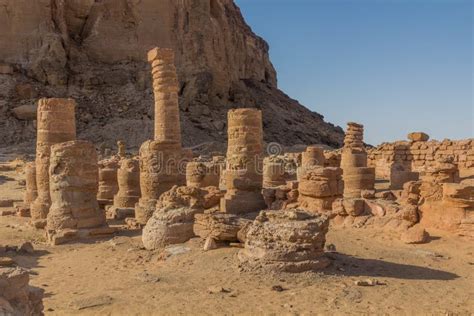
(95, 51)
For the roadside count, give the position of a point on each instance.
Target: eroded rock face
(98, 48)
(288, 241)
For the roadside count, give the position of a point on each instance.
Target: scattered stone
(415, 235)
(368, 282)
(91, 302)
(148, 278)
(217, 289)
(209, 244)
(7, 262)
(26, 247)
(278, 288)
(331, 248)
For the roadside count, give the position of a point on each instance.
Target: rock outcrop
(95, 51)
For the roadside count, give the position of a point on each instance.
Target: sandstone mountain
(95, 52)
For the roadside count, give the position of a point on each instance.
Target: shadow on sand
(353, 266)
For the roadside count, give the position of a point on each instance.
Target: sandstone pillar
(108, 185)
(319, 187)
(56, 124)
(73, 186)
(128, 179)
(274, 173)
(159, 172)
(31, 192)
(357, 176)
(312, 156)
(162, 158)
(244, 161)
(165, 88)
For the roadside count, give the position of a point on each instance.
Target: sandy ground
(116, 276)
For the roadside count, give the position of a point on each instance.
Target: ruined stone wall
(420, 155)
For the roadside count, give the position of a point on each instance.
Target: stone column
(162, 158)
(74, 208)
(201, 174)
(319, 187)
(108, 185)
(244, 162)
(159, 172)
(357, 176)
(31, 192)
(274, 173)
(165, 88)
(312, 156)
(56, 124)
(128, 179)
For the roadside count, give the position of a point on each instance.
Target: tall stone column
(357, 176)
(165, 89)
(244, 162)
(56, 124)
(74, 208)
(161, 158)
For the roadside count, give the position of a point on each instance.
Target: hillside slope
(95, 51)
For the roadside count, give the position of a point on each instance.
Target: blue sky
(396, 66)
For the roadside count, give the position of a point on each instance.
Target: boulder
(25, 112)
(418, 137)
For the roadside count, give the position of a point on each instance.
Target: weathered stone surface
(173, 220)
(56, 124)
(319, 187)
(221, 226)
(98, 49)
(420, 156)
(244, 158)
(453, 211)
(16, 296)
(289, 241)
(128, 179)
(108, 183)
(73, 185)
(169, 226)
